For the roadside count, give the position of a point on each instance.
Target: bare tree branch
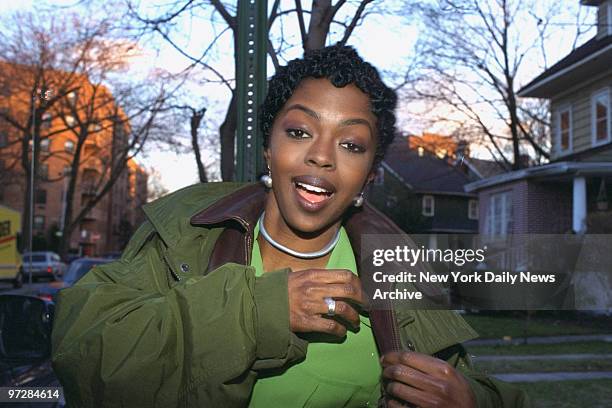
(353, 24)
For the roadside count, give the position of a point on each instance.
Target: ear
(371, 177)
(267, 156)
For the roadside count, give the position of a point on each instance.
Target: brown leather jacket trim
(238, 212)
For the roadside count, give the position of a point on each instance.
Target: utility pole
(32, 184)
(251, 85)
(43, 95)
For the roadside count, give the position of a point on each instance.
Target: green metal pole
(251, 84)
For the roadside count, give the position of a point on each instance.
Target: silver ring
(331, 306)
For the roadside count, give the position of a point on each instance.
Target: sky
(385, 41)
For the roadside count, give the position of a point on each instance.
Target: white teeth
(313, 189)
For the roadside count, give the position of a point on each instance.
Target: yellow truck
(10, 260)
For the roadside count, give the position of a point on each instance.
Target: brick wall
(537, 207)
(549, 208)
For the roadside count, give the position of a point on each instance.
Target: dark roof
(486, 168)
(426, 173)
(590, 47)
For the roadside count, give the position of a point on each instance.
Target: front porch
(561, 197)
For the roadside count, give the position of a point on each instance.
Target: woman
(237, 296)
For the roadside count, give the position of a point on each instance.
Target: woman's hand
(307, 292)
(424, 381)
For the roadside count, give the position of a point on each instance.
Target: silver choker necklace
(304, 255)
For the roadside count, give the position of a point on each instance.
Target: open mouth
(312, 193)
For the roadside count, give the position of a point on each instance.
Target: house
(572, 192)
(420, 185)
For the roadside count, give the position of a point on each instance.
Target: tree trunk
(27, 167)
(68, 227)
(227, 133)
(196, 119)
(318, 28)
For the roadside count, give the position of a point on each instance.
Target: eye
(297, 134)
(353, 147)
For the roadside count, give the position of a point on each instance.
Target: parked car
(77, 269)
(25, 346)
(112, 255)
(71, 257)
(45, 264)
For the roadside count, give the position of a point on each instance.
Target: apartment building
(85, 131)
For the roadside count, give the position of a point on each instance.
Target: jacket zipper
(247, 239)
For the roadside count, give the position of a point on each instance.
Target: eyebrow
(315, 115)
(306, 110)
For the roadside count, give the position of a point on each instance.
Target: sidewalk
(546, 376)
(558, 376)
(541, 340)
(545, 357)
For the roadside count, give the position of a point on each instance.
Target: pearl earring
(358, 200)
(266, 179)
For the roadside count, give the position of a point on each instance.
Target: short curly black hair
(342, 66)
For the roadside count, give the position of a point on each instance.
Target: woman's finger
(348, 291)
(412, 395)
(327, 275)
(412, 377)
(343, 310)
(420, 361)
(323, 325)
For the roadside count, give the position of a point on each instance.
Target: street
(7, 288)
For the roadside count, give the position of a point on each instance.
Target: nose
(321, 153)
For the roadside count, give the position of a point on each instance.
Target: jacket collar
(243, 206)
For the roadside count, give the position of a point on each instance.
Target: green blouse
(336, 372)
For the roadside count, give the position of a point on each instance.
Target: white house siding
(604, 155)
(579, 98)
(602, 20)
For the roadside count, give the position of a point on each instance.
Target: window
(473, 209)
(90, 149)
(3, 138)
(39, 222)
(44, 145)
(499, 219)
(609, 18)
(379, 179)
(600, 117)
(428, 206)
(72, 97)
(43, 171)
(70, 120)
(41, 196)
(69, 146)
(94, 127)
(45, 120)
(564, 130)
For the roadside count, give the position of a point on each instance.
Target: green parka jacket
(181, 320)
